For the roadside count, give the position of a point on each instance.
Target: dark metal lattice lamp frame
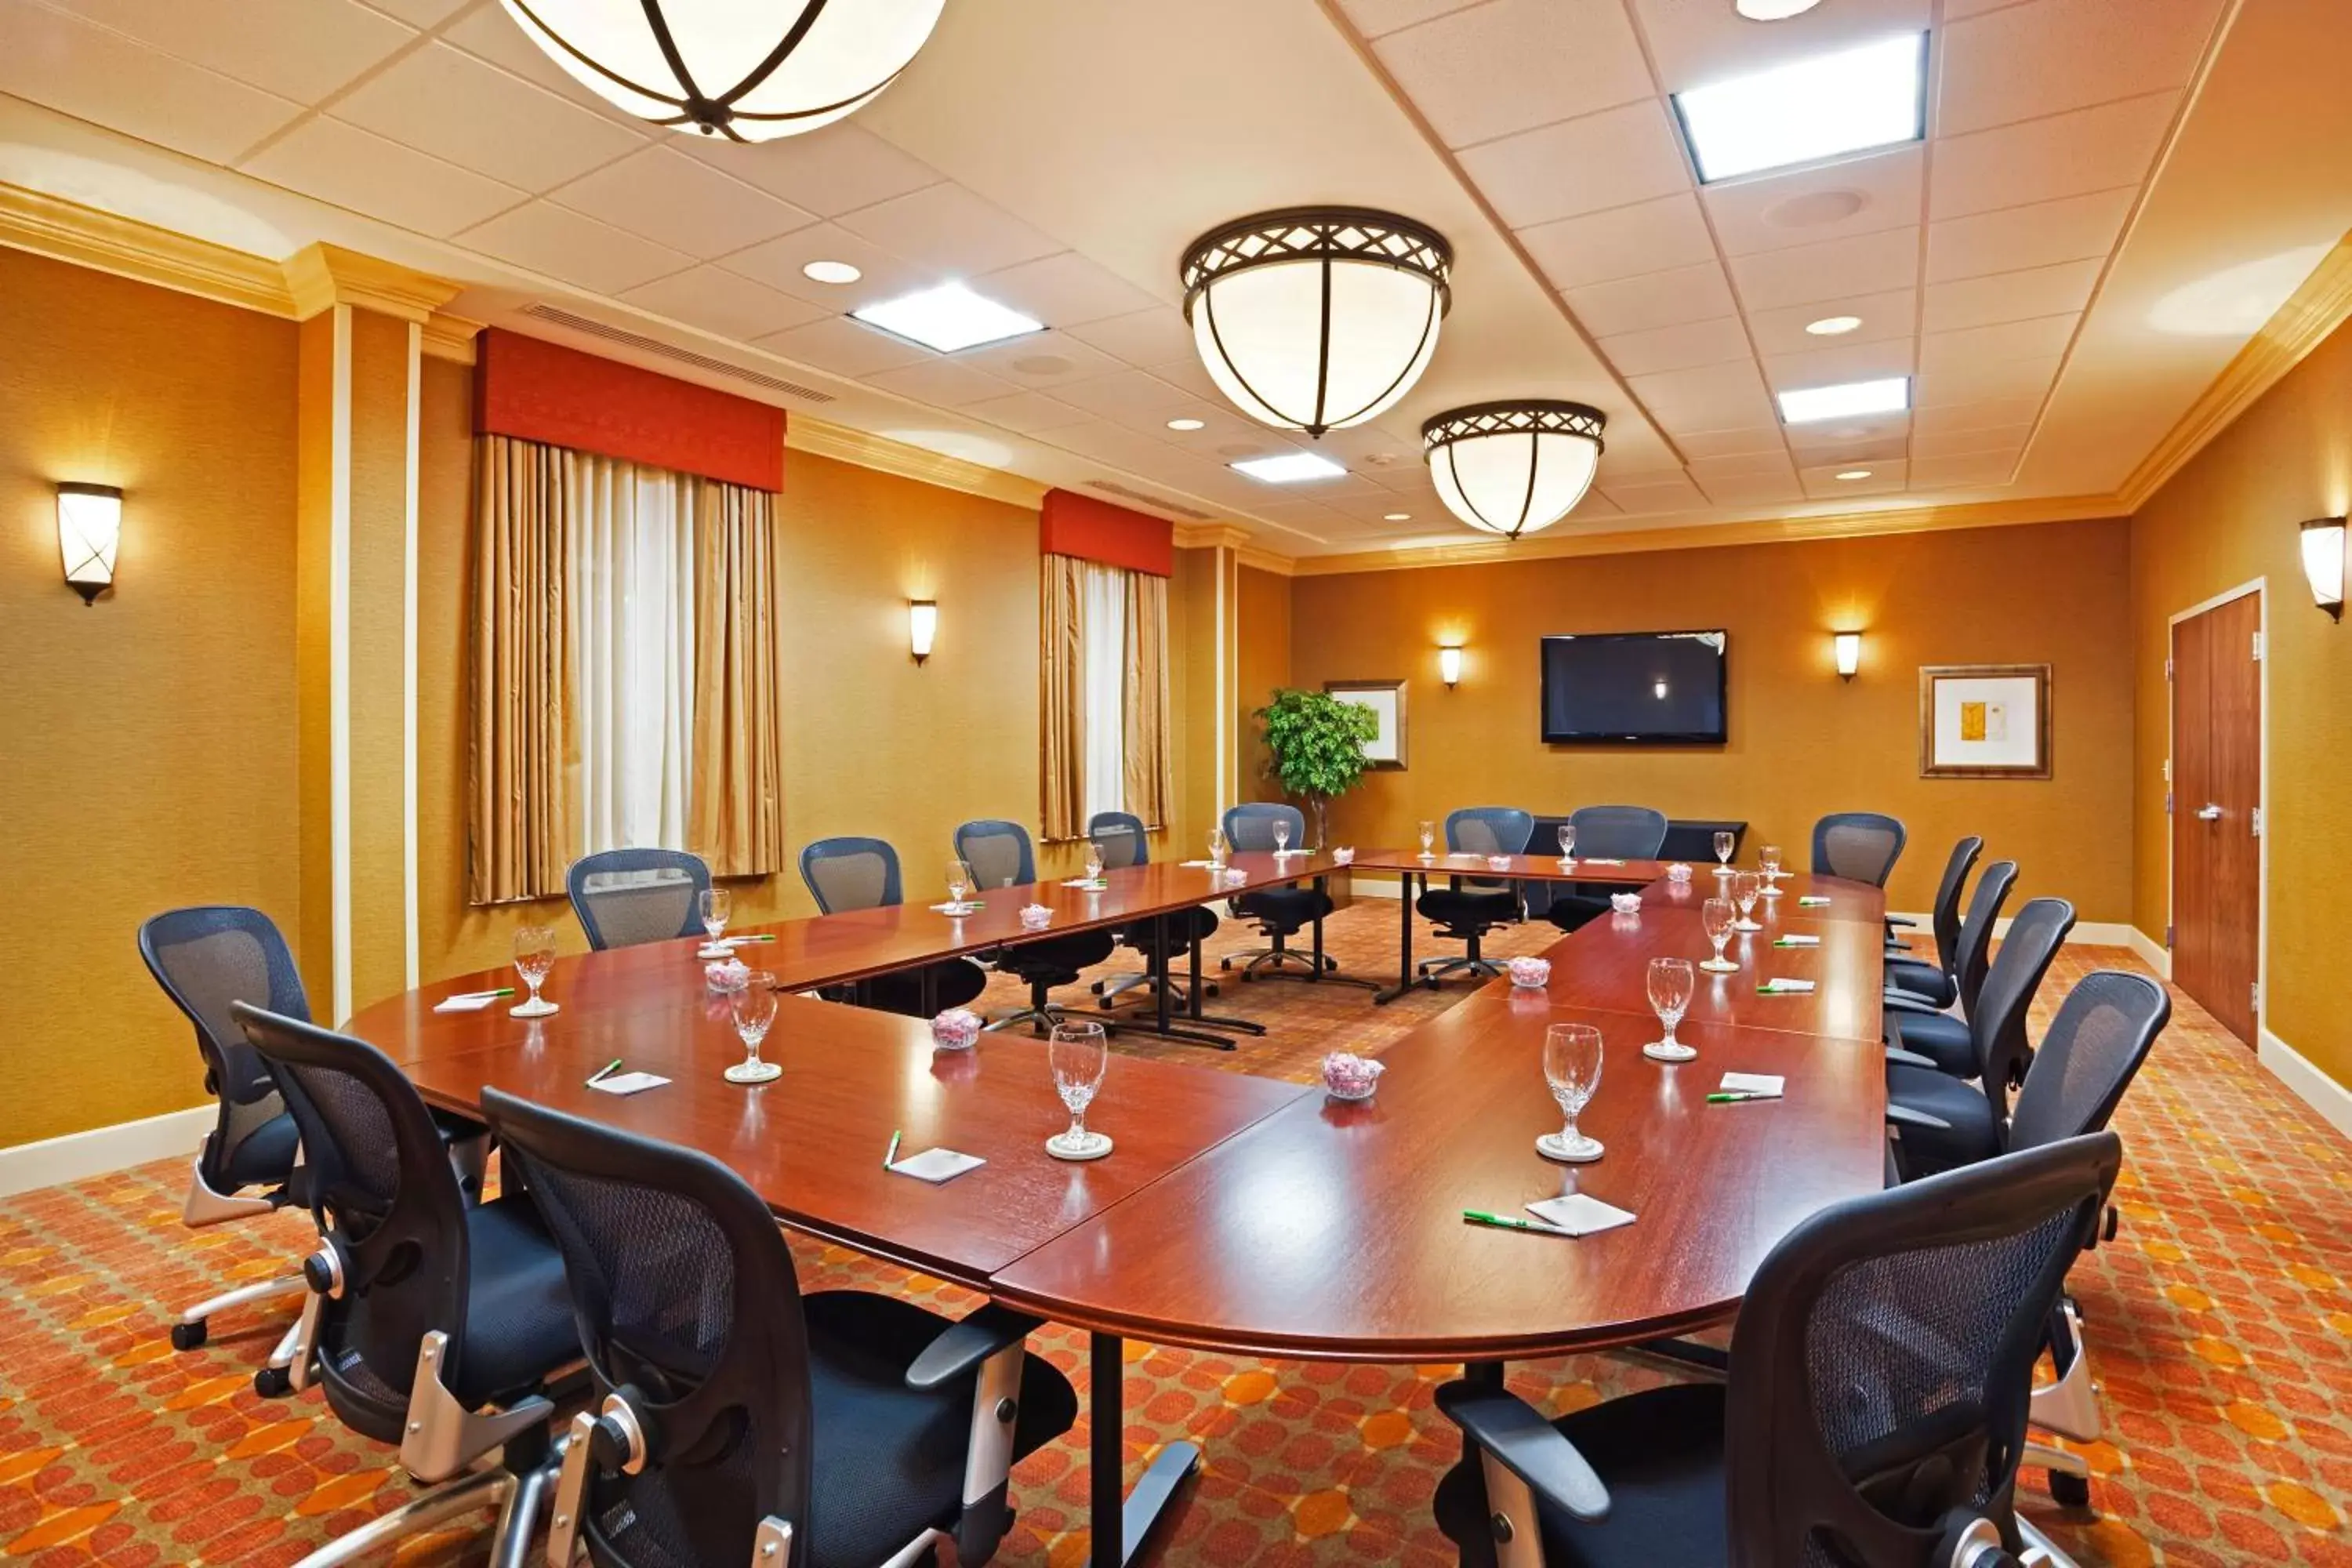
(1535, 418)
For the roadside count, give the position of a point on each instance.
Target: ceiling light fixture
(1773, 10)
(1872, 96)
(1396, 517)
(1514, 468)
(1853, 473)
(1290, 469)
(749, 73)
(1187, 425)
(1834, 326)
(947, 318)
(1315, 319)
(831, 272)
(1809, 404)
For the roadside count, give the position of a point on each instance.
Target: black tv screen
(1657, 688)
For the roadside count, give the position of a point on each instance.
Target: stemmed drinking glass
(1746, 888)
(716, 906)
(1079, 1052)
(1216, 849)
(755, 1010)
(1768, 859)
(1671, 981)
(1281, 835)
(534, 955)
(1428, 840)
(1572, 1067)
(1567, 841)
(1724, 844)
(959, 884)
(1718, 917)
(1094, 862)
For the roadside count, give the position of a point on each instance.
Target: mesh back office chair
(623, 896)
(851, 873)
(1120, 837)
(1467, 907)
(1945, 1038)
(433, 1322)
(1875, 1414)
(738, 1422)
(1605, 833)
(1938, 983)
(1859, 845)
(1281, 912)
(1000, 856)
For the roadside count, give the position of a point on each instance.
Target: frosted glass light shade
(2323, 563)
(90, 530)
(746, 72)
(923, 626)
(1514, 468)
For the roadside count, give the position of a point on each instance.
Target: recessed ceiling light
(1290, 469)
(1773, 10)
(831, 272)
(947, 318)
(1872, 96)
(1853, 474)
(1396, 517)
(1808, 404)
(1832, 326)
(1187, 423)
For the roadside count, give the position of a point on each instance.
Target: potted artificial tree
(1316, 744)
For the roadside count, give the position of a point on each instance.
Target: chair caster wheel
(2069, 1490)
(187, 1336)
(273, 1382)
(1224, 964)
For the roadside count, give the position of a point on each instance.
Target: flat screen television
(1643, 688)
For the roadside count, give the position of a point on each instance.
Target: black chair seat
(1939, 1036)
(1659, 1453)
(1973, 1135)
(1184, 928)
(1289, 908)
(266, 1156)
(1056, 960)
(1468, 906)
(518, 1322)
(953, 984)
(1573, 912)
(1926, 981)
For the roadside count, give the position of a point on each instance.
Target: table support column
(1121, 1522)
(1404, 942)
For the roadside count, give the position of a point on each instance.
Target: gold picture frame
(1386, 700)
(1984, 722)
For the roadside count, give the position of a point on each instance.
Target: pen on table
(891, 1158)
(597, 1077)
(469, 996)
(1733, 1097)
(1505, 1222)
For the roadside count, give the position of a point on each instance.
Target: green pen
(598, 1075)
(1738, 1097)
(1505, 1222)
(891, 1158)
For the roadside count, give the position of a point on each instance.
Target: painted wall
(1264, 655)
(2226, 519)
(150, 753)
(1802, 742)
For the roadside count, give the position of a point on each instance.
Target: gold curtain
(523, 748)
(1063, 698)
(1149, 784)
(738, 780)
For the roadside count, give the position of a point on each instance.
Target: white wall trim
(2306, 1081)
(77, 1156)
(2152, 952)
(412, 896)
(2259, 585)
(338, 660)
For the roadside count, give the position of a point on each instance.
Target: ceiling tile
(942, 383)
(1806, 274)
(1670, 299)
(845, 347)
(1373, 17)
(1991, 413)
(1040, 360)
(2041, 160)
(948, 227)
(660, 193)
(1677, 348)
(343, 165)
(1027, 412)
(1513, 65)
(96, 74)
(1108, 443)
(835, 169)
(1620, 243)
(1975, 468)
(1874, 451)
(1190, 375)
(1653, 500)
(1064, 290)
(1873, 431)
(1715, 397)
(1872, 359)
(1887, 315)
(2009, 296)
(486, 32)
(1753, 489)
(721, 301)
(1984, 381)
(1823, 484)
(578, 250)
(1134, 394)
(1612, 158)
(1861, 195)
(1707, 472)
(2053, 55)
(2007, 438)
(1145, 337)
(778, 263)
(1698, 442)
(2015, 238)
(445, 102)
(422, 13)
(2044, 337)
(1697, 41)
(299, 49)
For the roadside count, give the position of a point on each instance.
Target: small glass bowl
(957, 1029)
(1678, 872)
(1347, 1075)
(1343, 857)
(726, 976)
(1529, 973)
(1036, 917)
(1498, 862)
(1625, 904)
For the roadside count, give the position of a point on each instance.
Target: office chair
(1120, 837)
(1874, 1416)
(1605, 833)
(851, 873)
(1000, 856)
(1938, 983)
(1467, 909)
(623, 896)
(1859, 845)
(1944, 1037)
(1280, 912)
(738, 1422)
(433, 1323)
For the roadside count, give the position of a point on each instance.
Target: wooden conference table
(1237, 1213)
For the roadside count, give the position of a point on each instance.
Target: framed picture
(1984, 722)
(1386, 700)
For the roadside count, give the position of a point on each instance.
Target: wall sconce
(90, 528)
(922, 625)
(1449, 667)
(1849, 654)
(2323, 563)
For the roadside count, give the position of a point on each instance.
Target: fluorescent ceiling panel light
(1290, 469)
(1773, 10)
(1871, 96)
(1809, 404)
(947, 318)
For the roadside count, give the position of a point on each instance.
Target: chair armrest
(1904, 1002)
(1519, 1439)
(1904, 1116)
(962, 1346)
(1897, 1057)
(1902, 921)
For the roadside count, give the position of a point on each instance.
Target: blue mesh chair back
(1975, 931)
(1619, 832)
(1120, 836)
(851, 873)
(1860, 846)
(1947, 914)
(2088, 1056)
(207, 959)
(1996, 1027)
(623, 896)
(1487, 830)
(1249, 828)
(998, 852)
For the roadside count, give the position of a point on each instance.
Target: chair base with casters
(1044, 965)
(206, 1207)
(1465, 917)
(1169, 1007)
(1282, 914)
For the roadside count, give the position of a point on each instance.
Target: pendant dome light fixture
(721, 67)
(1514, 468)
(1315, 319)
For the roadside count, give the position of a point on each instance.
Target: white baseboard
(2310, 1085)
(1378, 888)
(77, 1156)
(2086, 933)
(2151, 952)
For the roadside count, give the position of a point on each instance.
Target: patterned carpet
(2218, 1324)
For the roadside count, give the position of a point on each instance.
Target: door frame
(2263, 844)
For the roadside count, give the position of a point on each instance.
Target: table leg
(1404, 944)
(1163, 1023)
(1120, 1522)
(1193, 995)
(1488, 1374)
(931, 991)
(1316, 973)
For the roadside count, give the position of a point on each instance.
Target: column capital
(320, 275)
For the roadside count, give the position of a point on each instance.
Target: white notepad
(1785, 987)
(628, 1082)
(1765, 1083)
(1579, 1213)
(473, 1002)
(970, 906)
(1095, 886)
(937, 1165)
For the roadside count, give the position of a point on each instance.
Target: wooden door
(2217, 783)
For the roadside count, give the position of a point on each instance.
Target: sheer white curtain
(1102, 628)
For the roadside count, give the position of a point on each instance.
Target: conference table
(1240, 1213)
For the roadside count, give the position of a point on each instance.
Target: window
(1102, 622)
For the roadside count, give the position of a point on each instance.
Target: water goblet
(1572, 1063)
(959, 884)
(754, 1007)
(1746, 888)
(1217, 848)
(1281, 836)
(1077, 1053)
(1428, 840)
(1671, 981)
(1567, 843)
(534, 955)
(716, 906)
(1094, 861)
(1718, 917)
(1724, 844)
(1768, 859)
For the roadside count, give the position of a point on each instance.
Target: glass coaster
(1087, 1145)
(754, 1072)
(1719, 966)
(536, 1007)
(1659, 1051)
(1582, 1151)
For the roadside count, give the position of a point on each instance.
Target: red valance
(544, 392)
(1091, 530)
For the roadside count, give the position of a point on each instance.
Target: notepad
(1767, 1084)
(628, 1082)
(1813, 901)
(1579, 1213)
(1604, 860)
(472, 1002)
(1794, 940)
(936, 1165)
(1785, 988)
(1198, 865)
(963, 908)
(1097, 886)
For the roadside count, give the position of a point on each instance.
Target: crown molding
(1210, 536)
(68, 231)
(1266, 561)
(821, 438)
(451, 337)
(319, 276)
